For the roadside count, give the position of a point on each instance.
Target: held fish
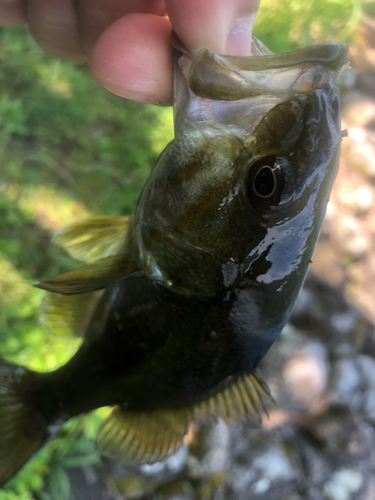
(178, 304)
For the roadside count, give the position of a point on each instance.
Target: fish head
(237, 199)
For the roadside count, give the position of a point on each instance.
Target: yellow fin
(69, 315)
(22, 428)
(237, 396)
(96, 276)
(94, 238)
(143, 437)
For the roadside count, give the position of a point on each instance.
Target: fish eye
(266, 183)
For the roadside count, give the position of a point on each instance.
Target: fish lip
(238, 77)
(330, 54)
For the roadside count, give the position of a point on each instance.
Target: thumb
(223, 25)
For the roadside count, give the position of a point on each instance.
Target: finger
(96, 15)
(69, 28)
(133, 58)
(53, 24)
(224, 26)
(12, 13)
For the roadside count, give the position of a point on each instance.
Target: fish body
(178, 304)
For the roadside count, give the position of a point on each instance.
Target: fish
(178, 304)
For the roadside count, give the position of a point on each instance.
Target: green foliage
(286, 26)
(69, 149)
(72, 447)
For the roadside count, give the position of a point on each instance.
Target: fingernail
(239, 38)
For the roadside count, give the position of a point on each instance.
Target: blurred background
(68, 150)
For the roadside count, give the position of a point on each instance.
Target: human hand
(128, 42)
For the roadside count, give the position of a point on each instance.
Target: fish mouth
(230, 78)
(210, 87)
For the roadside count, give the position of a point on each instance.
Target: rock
(368, 369)
(351, 236)
(360, 151)
(261, 468)
(343, 485)
(346, 383)
(306, 374)
(176, 490)
(358, 108)
(208, 448)
(357, 199)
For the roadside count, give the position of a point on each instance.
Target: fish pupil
(264, 182)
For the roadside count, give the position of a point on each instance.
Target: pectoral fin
(96, 276)
(94, 238)
(69, 315)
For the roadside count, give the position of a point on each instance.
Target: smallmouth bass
(178, 304)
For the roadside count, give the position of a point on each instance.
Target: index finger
(133, 57)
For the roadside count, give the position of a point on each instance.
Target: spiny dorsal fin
(135, 438)
(241, 396)
(96, 276)
(139, 437)
(94, 238)
(69, 315)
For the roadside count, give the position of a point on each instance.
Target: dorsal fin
(69, 315)
(237, 396)
(96, 276)
(94, 238)
(138, 437)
